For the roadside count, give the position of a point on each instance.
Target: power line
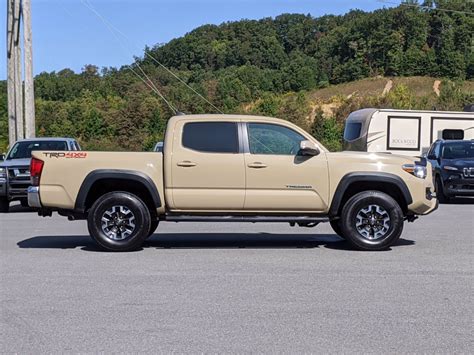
(112, 27)
(427, 7)
(149, 83)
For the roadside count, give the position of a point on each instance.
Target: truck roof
(217, 117)
(45, 139)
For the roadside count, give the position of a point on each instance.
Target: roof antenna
(179, 113)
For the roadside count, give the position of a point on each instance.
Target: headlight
(417, 170)
(450, 168)
(3, 173)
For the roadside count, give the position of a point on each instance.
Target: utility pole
(11, 75)
(20, 129)
(29, 84)
(20, 106)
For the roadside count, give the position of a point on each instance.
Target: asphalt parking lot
(235, 287)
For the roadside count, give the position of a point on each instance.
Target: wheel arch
(356, 182)
(101, 181)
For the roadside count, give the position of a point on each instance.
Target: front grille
(468, 172)
(19, 173)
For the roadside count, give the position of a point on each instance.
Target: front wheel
(119, 221)
(372, 220)
(336, 227)
(440, 195)
(4, 205)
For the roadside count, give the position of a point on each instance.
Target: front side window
(273, 139)
(22, 150)
(211, 137)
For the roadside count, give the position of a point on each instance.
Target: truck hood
(15, 162)
(372, 157)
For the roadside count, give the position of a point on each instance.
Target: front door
(278, 178)
(207, 168)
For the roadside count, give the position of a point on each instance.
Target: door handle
(186, 164)
(257, 165)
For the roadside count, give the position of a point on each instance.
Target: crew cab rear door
(207, 166)
(278, 178)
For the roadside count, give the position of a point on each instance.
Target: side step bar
(254, 219)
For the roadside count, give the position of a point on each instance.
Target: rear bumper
(34, 197)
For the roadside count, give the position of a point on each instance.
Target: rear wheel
(372, 220)
(4, 205)
(119, 221)
(336, 227)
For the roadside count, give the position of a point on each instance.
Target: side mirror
(309, 148)
(2, 157)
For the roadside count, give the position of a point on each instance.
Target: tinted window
(459, 150)
(273, 139)
(434, 150)
(212, 137)
(76, 145)
(352, 130)
(22, 150)
(437, 150)
(453, 134)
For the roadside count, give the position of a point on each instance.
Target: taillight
(36, 167)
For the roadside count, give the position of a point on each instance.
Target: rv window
(352, 130)
(453, 134)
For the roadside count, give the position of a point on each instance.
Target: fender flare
(351, 178)
(119, 174)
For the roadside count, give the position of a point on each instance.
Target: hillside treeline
(240, 66)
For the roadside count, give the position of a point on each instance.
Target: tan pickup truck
(224, 168)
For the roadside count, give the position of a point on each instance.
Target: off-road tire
(109, 202)
(351, 213)
(4, 205)
(440, 195)
(153, 225)
(336, 227)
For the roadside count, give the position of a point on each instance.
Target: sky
(66, 34)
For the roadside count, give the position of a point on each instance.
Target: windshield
(458, 150)
(22, 150)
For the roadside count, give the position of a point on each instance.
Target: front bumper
(34, 197)
(3, 187)
(459, 186)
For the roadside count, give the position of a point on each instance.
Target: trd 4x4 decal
(67, 155)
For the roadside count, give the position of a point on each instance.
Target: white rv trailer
(404, 132)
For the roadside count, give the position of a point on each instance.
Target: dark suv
(453, 168)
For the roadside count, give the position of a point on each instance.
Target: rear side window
(211, 137)
(352, 130)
